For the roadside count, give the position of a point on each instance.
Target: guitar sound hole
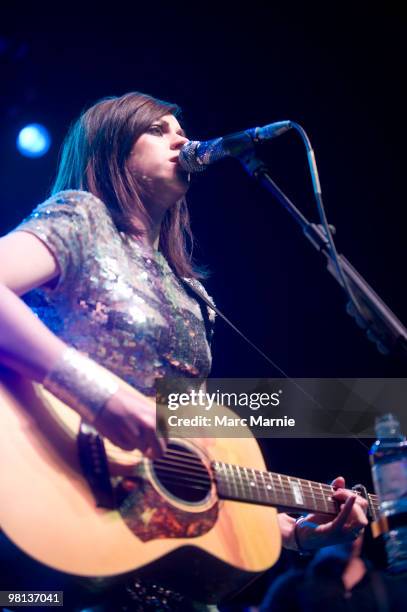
(183, 474)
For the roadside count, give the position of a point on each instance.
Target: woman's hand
(129, 421)
(313, 531)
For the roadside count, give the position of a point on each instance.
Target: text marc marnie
(225, 421)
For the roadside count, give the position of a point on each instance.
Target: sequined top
(116, 299)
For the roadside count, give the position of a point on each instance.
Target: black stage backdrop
(336, 70)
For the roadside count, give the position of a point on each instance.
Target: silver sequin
(117, 300)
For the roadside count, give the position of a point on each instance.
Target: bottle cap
(387, 426)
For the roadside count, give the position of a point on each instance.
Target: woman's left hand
(314, 532)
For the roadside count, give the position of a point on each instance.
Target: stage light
(33, 140)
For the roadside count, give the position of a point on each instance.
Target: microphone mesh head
(188, 157)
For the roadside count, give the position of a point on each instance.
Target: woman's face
(154, 161)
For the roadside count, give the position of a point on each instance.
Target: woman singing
(105, 264)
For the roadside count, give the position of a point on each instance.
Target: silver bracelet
(81, 383)
(302, 551)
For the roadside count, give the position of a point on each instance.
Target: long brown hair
(93, 158)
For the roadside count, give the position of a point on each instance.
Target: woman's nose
(178, 141)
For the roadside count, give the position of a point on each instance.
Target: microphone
(195, 155)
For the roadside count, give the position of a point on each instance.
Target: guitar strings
(311, 500)
(170, 477)
(309, 483)
(315, 487)
(285, 491)
(197, 465)
(262, 486)
(189, 457)
(186, 476)
(171, 480)
(185, 459)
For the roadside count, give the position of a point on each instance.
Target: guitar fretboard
(272, 489)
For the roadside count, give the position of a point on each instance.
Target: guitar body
(208, 548)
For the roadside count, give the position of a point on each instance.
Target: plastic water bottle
(388, 458)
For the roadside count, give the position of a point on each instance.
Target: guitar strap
(204, 301)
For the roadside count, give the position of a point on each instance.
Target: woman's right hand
(129, 421)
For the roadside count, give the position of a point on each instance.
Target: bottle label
(390, 480)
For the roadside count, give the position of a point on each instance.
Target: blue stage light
(33, 140)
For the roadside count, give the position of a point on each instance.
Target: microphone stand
(370, 312)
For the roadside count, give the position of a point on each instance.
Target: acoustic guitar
(201, 520)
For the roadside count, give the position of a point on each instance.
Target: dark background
(336, 70)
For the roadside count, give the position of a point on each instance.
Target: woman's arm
(26, 344)
(30, 348)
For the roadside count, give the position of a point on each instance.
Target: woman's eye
(155, 129)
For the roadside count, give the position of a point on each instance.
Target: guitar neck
(271, 489)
